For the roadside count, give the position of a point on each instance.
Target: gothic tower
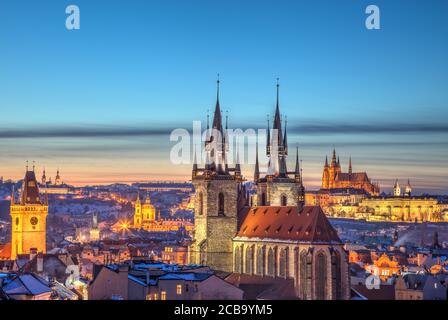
(218, 193)
(138, 213)
(277, 188)
(28, 218)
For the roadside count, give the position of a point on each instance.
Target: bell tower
(28, 218)
(217, 193)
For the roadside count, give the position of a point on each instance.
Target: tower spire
(326, 161)
(297, 171)
(257, 168)
(268, 139)
(285, 139)
(195, 163)
(350, 165)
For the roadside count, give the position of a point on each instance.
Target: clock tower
(28, 218)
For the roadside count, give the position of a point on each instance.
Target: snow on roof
(27, 284)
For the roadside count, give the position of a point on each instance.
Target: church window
(283, 272)
(336, 269)
(249, 260)
(201, 203)
(271, 263)
(284, 200)
(260, 261)
(179, 289)
(163, 295)
(17, 221)
(238, 265)
(303, 274)
(263, 199)
(221, 204)
(321, 276)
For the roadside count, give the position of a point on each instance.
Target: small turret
(397, 189)
(297, 175)
(408, 189)
(257, 167)
(350, 171)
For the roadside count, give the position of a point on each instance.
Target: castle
(334, 178)
(28, 218)
(276, 236)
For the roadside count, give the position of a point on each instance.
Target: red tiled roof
(287, 223)
(5, 251)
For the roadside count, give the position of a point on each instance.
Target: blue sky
(377, 95)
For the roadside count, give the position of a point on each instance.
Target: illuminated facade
(402, 208)
(277, 236)
(146, 218)
(28, 218)
(334, 178)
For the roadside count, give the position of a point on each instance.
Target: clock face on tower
(33, 221)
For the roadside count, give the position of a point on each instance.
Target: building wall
(109, 283)
(401, 209)
(275, 190)
(28, 225)
(212, 241)
(297, 261)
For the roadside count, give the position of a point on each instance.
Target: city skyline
(93, 102)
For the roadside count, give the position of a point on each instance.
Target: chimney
(40, 263)
(33, 253)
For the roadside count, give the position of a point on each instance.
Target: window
(263, 199)
(271, 263)
(163, 295)
(284, 200)
(260, 261)
(156, 296)
(249, 260)
(283, 272)
(303, 274)
(179, 289)
(201, 203)
(321, 276)
(221, 204)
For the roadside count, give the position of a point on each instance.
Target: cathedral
(275, 235)
(28, 218)
(334, 178)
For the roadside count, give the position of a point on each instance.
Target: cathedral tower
(138, 213)
(277, 188)
(28, 218)
(218, 193)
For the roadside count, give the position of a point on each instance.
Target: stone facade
(214, 227)
(320, 271)
(28, 219)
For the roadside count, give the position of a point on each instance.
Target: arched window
(263, 199)
(260, 261)
(336, 273)
(283, 263)
(201, 203)
(249, 260)
(237, 262)
(271, 263)
(17, 221)
(303, 270)
(221, 204)
(284, 200)
(321, 276)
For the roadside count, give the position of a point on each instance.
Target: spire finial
(26, 165)
(227, 119)
(34, 165)
(217, 88)
(278, 86)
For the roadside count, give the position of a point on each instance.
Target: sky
(99, 102)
